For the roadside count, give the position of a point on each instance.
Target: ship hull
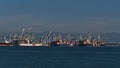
(5, 44)
(30, 44)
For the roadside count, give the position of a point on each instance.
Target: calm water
(59, 57)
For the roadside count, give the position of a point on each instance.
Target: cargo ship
(87, 41)
(26, 39)
(5, 43)
(29, 43)
(90, 41)
(64, 43)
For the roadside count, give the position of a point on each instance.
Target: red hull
(5, 44)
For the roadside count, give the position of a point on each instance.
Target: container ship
(88, 41)
(64, 43)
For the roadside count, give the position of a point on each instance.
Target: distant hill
(112, 37)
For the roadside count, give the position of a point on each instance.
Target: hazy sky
(60, 15)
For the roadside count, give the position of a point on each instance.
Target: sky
(60, 15)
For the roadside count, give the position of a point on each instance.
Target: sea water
(59, 57)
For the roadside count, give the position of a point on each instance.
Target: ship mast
(99, 38)
(22, 33)
(89, 37)
(81, 37)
